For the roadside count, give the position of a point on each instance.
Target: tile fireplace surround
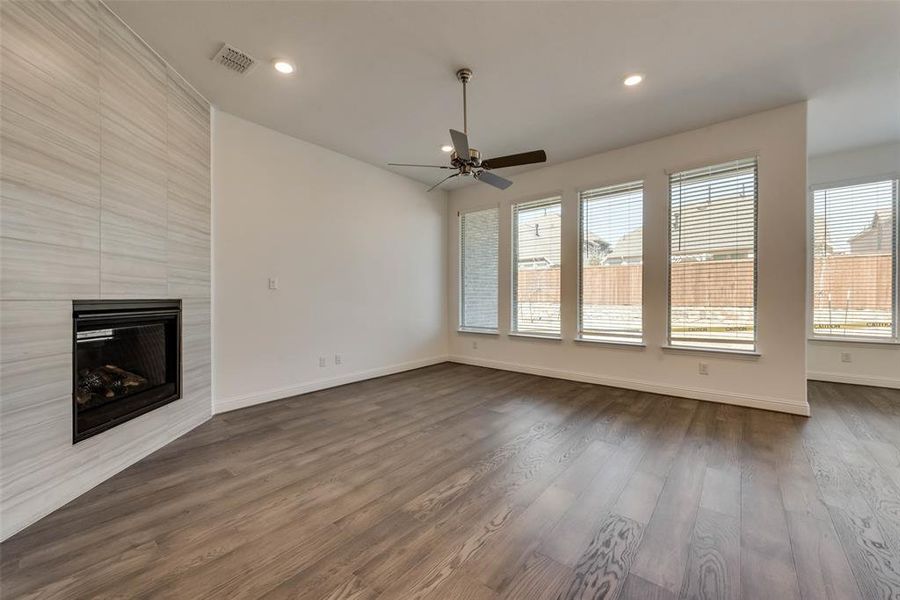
(105, 195)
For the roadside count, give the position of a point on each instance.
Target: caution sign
(712, 329)
(855, 325)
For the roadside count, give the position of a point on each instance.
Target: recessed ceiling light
(446, 148)
(633, 80)
(283, 67)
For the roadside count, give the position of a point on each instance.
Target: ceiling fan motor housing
(474, 159)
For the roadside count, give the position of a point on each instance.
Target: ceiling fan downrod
(464, 76)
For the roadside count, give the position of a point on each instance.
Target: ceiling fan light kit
(466, 161)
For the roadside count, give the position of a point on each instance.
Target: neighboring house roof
(698, 216)
(629, 246)
(877, 237)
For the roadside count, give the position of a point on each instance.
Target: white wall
(871, 364)
(776, 379)
(359, 252)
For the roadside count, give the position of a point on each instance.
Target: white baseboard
(222, 405)
(763, 402)
(871, 380)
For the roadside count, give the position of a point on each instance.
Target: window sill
(850, 340)
(612, 344)
(535, 336)
(481, 331)
(701, 350)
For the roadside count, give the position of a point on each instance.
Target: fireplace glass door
(126, 361)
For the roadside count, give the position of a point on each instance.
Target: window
(536, 257)
(478, 243)
(712, 257)
(612, 256)
(855, 261)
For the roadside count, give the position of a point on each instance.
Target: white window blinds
(712, 256)
(479, 245)
(536, 231)
(855, 261)
(612, 256)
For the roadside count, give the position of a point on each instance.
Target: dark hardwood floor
(464, 483)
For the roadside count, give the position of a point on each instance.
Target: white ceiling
(376, 80)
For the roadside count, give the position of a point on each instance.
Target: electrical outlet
(323, 362)
(474, 345)
(337, 359)
(273, 283)
(703, 368)
(845, 357)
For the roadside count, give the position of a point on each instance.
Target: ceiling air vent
(234, 59)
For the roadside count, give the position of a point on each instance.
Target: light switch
(273, 283)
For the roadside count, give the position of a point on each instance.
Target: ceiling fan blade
(442, 181)
(411, 165)
(494, 180)
(460, 143)
(514, 160)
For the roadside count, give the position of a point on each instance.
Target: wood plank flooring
(464, 483)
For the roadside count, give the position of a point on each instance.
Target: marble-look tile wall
(105, 186)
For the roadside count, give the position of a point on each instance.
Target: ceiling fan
(467, 161)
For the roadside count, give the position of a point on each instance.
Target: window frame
(556, 197)
(460, 323)
(579, 331)
(754, 350)
(894, 339)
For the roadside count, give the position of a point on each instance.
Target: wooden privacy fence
(618, 284)
(861, 282)
(713, 283)
(855, 282)
(539, 285)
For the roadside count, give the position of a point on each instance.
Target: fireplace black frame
(123, 312)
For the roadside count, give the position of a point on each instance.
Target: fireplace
(126, 361)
